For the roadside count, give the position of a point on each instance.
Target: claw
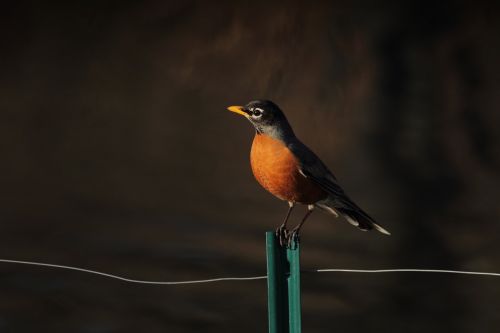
(293, 238)
(283, 235)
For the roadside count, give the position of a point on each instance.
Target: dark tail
(352, 213)
(361, 220)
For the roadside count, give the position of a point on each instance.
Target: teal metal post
(277, 296)
(294, 308)
(283, 286)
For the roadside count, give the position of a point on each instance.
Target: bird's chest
(277, 170)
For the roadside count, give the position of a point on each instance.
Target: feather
(337, 201)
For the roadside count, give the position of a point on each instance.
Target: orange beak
(238, 110)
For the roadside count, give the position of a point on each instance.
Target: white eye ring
(257, 112)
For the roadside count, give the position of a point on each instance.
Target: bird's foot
(282, 234)
(293, 239)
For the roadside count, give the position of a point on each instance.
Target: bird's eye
(257, 112)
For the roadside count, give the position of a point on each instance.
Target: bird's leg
(281, 231)
(294, 234)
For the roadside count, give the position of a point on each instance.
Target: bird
(292, 172)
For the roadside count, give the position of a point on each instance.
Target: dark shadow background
(117, 154)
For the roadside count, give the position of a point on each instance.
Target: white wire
(261, 277)
(121, 278)
(395, 270)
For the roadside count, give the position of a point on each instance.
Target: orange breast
(276, 169)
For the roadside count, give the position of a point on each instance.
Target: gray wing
(313, 168)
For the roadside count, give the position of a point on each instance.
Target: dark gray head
(267, 118)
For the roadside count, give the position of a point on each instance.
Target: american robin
(284, 166)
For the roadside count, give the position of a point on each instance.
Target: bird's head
(266, 117)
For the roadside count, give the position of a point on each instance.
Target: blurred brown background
(118, 155)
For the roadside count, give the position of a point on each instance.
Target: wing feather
(313, 168)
